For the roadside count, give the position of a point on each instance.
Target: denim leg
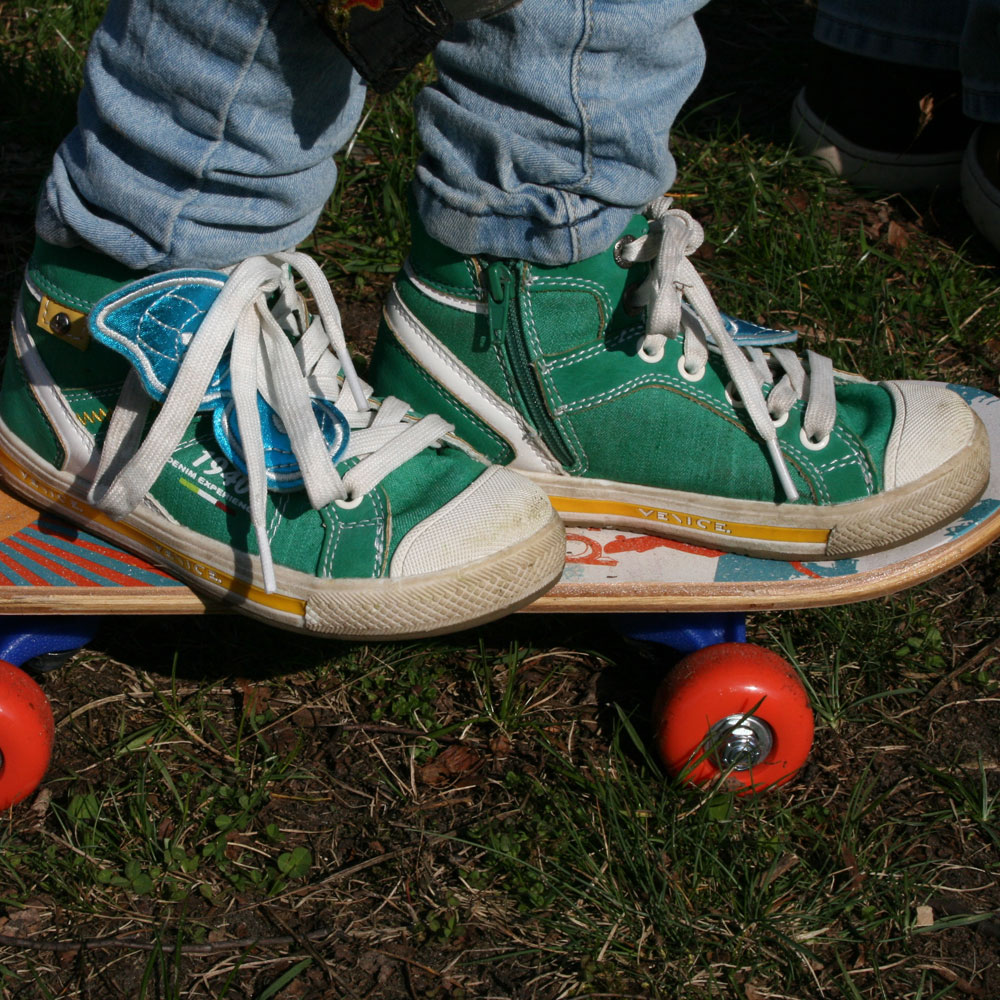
(205, 133)
(549, 125)
(980, 61)
(911, 32)
(939, 34)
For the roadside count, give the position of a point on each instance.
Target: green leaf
(295, 863)
(142, 884)
(83, 807)
(141, 739)
(284, 979)
(721, 807)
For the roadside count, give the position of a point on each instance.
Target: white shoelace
(264, 360)
(673, 236)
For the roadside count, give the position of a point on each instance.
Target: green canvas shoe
(617, 385)
(205, 420)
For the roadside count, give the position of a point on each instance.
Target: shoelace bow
(271, 355)
(673, 236)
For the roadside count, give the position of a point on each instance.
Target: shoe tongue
(151, 323)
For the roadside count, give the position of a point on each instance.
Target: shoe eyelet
(807, 442)
(695, 376)
(619, 246)
(349, 503)
(652, 357)
(733, 397)
(781, 420)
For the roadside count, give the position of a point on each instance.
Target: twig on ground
(138, 944)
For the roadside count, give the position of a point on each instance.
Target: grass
(233, 813)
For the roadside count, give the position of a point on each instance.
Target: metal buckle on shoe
(67, 324)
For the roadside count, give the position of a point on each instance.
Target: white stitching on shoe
(440, 293)
(581, 463)
(417, 340)
(266, 364)
(80, 453)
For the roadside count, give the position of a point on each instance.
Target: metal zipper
(503, 283)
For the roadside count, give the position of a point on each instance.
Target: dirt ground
(376, 926)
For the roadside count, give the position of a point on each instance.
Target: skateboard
(728, 711)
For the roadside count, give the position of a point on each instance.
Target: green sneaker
(204, 420)
(636, 410)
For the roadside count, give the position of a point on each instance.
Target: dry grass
(237, 813)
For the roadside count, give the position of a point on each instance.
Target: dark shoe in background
(880, 124)
(981, 181)
(891, 127)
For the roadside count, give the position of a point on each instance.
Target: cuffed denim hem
(590, 230)
(909, 48)
(549, 125)
(981, 61)
(248, 227)
(981, 105)
(206, 134)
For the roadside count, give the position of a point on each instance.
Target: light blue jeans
(940, 34)
(206, 129)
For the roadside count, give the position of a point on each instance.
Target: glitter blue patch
(151, 323)
(753, 335)
(283, 473)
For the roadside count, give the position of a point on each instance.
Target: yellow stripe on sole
(684, 519)
(75, 509)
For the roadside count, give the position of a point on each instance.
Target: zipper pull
(501, 290)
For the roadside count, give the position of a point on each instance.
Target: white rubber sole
(774, 530)
(870, 168)
(407, 607)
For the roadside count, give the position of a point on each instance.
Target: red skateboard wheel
(27, 731)
(729, 685)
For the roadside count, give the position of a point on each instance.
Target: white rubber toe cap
(499, 510)
(932, 425)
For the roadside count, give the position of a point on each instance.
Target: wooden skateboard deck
(48, 566)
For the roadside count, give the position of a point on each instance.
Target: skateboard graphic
(728, 709)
